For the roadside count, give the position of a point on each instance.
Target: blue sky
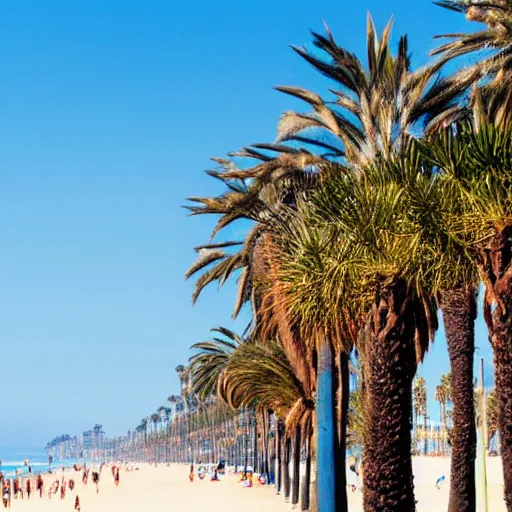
(109, 113)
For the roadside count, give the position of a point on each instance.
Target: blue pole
(326, 478)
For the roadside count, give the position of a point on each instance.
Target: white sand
(167, 488)
(427, 470)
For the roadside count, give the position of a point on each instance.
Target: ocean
(12, 459)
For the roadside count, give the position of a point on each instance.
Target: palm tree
(362, 99)
(420, 403)
(492, 415)
(439, 396)
(348, 257)
(496, 37)
(391, 96)
(475, 167)
(255, 375)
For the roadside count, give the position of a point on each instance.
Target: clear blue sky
(109, 112)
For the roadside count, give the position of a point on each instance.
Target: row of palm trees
(373, 210)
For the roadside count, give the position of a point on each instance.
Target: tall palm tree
(492, 415)
(410, 98)
(420, 402)
(346, 257)
(475, 165)
(387, 105)
(257, 375)
(443, 395)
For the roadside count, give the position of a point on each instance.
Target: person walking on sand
(85, 476)
(6, 493)
(116, 477)
(77, 503)
(63, 489)
(20, 487)
(96, 480)
(28, 488)
(39, 485)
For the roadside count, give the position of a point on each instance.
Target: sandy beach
(167, 488)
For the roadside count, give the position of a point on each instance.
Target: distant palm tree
(420, 400)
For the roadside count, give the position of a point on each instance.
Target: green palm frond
(495, 39)
(260, 375)
(211, 359)
(378, 106)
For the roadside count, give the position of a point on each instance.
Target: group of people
(245, 477)
(22, 486)
(204, 471)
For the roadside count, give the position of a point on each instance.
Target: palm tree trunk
(265, 438)
(296, 464)
(459, 314)
(280, 449)
(306, 481)
(425, 442)
(255, 443)
(496, 269)
(343, 395)
(313, 495)
(326, 485)
(502, 344)
(286, 468)
(390, 364)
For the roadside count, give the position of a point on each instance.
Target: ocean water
(9, 468)
(13, 459)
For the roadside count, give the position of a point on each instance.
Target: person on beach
(28, 488)
(54, 489)
(85, 476)
(116, 477)
(15, 488)
(77, 503)
(63, 489)
(6, 493)
(71, 484)
(96, 480)
(191, 474)
(248, 481)
(215, 476)
(39, 485)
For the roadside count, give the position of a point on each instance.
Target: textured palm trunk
(503, 380)
(326, 447)
(286, 468)
(459, 314)
(342, 400)
(306, 480)
(313, 495)
(265, 458)
(255, 444)
(390, 365)
(425, 443)
(280, 449)
(496, 270)
(297, 440)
